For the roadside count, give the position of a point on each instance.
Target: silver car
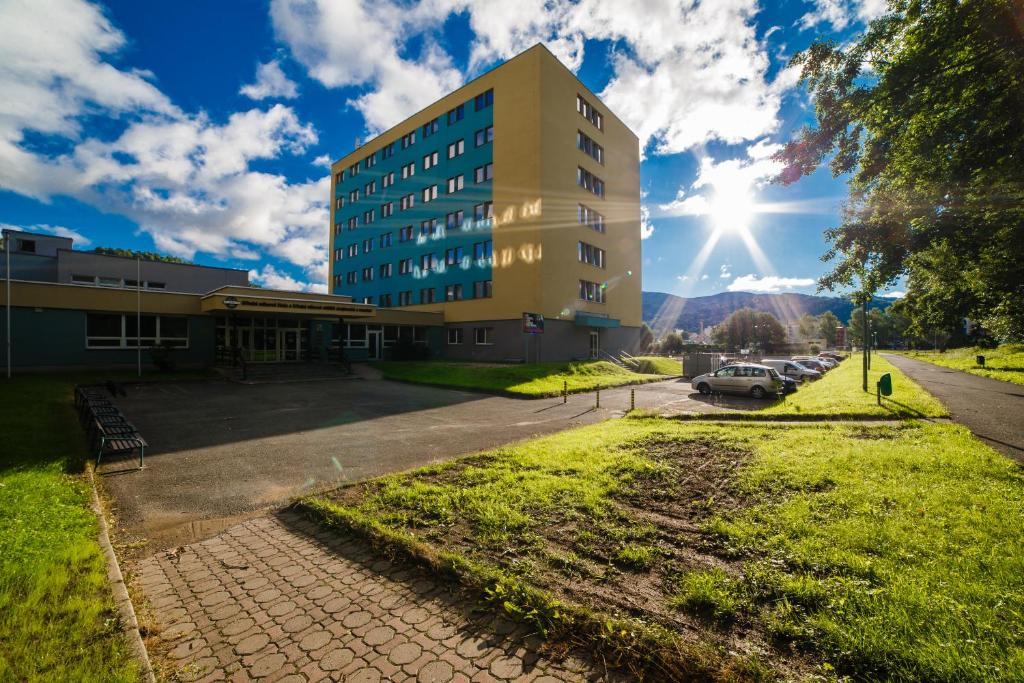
(791, 368)
(742, 378)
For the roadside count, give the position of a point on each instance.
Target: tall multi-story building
(518, 193)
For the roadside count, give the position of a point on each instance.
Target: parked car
(831, 354)
(758, 381)
(791, 368)
(789, 384)
(812, 363)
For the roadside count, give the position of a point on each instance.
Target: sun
(732, 211)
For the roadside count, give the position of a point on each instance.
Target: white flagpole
(7, 248)
(138, 313)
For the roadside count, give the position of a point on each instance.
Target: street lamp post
(232, 303)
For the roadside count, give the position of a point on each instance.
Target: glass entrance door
(376, 344)
(595, 344)
(288, 345)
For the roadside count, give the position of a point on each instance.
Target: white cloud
(323, 160)
(838, 14)
(682, 278)
(896, 294)
(646, 229)
(704, 276)
(270, 82)
(724, 271)
(768, 283)
(58, 230)
(272, 278)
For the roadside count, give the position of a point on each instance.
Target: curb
(124, 603)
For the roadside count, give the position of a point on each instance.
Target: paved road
(222, 452)
(277, 599)
(992, 409)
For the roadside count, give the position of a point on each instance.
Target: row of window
(483, 211)
(592, 291)
(482, 251)
(589, 254)
(104, 281)
(129, 331)
(588, 112)
(590, 218)
(482, 289)
(428, 194)
(358, 336)
(482, 336)
(480, 102)
(589, 147)
(589, 182)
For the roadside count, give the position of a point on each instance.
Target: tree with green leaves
(923, 112)
(144, 255)
(646, 339)
(747, 328)
(827, 324)
(672, 344)
(807, 327)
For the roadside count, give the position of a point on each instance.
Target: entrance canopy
(254, 300)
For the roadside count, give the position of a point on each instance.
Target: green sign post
(884, 386)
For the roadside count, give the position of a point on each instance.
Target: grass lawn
(530, 380)
(733, 551)
(839, 394)
(58, 621)
(656, 365)
(1005, 363)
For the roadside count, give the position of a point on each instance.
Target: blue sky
(205, 129)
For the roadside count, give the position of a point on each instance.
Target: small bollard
(981, 360)
(632, 400)
(598, 403)
(565, 391)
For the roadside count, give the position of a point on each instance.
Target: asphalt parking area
(222, 452)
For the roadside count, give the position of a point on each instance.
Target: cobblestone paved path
(278, 599)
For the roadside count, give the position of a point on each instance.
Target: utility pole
(138, 313)
(7, 249)
(864, 342)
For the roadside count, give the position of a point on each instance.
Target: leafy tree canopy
(747, 328)
(924, 112)
(144, 255)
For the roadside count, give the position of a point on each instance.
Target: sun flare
(731, 212)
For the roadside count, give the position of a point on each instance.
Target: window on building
(589, 147)
(456, 148)
(368, 216)
(337, 281)
(484, 135)
(429, 128)
(353, 250)
(405, 234)
(385, 301)
(454, 220)
(368, 274)
(409, 170)
(407, 202)
(456, 183)
(149, 284)
(590, 218)
(589, 112)
(353, 196)
(405, 298)
(427, 295)
(588, 181)
(483, 173)
(483, 100)
(592, 291)
(388, 179)
(428, 227)
(482, 289)
(455, 335)
(370, 188)
(338, 253)
(338, 177)
(385, 270)
(338, 227)
(386, 209)
(453, 292)
(409, 139)
(339, 202)
(455, 115)
(483, 212)
(122, 330)
(353, 222)
(589, 254)
(429, 193)
(482, 250)
(387, 151)
(370, 161)
(82, 279)
(405, 266)
(428, 262)
(104, 281)
(353, 170)
(453, 256)
(384, 240)
(367, 245)
(351, 277)
(483, 336)
(429, 160)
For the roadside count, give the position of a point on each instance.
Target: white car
(755, 380)
(791, 368)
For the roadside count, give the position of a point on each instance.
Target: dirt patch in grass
(628, 559)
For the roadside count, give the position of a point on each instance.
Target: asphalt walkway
(993, 410)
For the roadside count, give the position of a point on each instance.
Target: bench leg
(99, 452)
(142, 454)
